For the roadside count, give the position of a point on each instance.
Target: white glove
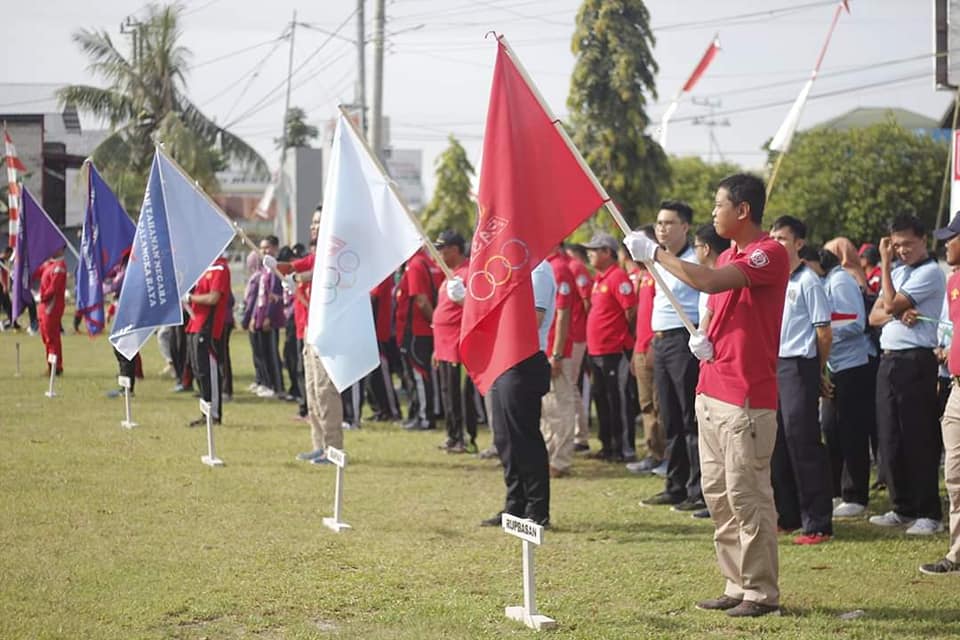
(186, 298)
(642, 248)
(455, 289)
(270, 262)
(287, 281)
(700, 346)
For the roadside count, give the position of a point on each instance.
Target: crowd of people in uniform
(806, 368)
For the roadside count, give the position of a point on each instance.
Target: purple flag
(38, 238)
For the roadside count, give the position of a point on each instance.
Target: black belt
(670, 332)
(916, 351)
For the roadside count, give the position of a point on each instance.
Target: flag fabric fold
(533, 193)
(107, 234)
(38, 238)
(700, 69)
(14, 169)
(179, 234)
(365, 235)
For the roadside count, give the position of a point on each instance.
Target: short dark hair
(648, 231)
(707, 234)
(828, 260)
(298, 250)
(285, 254)
(872, 255)
(273, 240)
(809, 252)
(908, 222)
(577, 249)
(682, 209)
(796, 226)
(743, 187)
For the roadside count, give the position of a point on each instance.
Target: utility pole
(711, 123)
(360, 92)
(286, 104)
(133, 28)
(282, 223)
(376, 124)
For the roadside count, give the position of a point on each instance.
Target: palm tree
(146, 102)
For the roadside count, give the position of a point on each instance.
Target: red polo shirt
(211, 317)
(301, 300)
(646, 290)
(581, 275)
(382, 296)
(607, 329)
(745, 329)
(953, 310)
(568, 297)
(446, 322)
(422, 277)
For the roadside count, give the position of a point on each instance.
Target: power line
(237, 52)
(252, 74)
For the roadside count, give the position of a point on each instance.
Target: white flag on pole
(365, 235)
(784, 136)
(955, 177)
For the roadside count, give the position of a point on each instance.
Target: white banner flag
(365, 235)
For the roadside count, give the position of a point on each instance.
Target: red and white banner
(14, 168)
(700, 69)
(955, 177)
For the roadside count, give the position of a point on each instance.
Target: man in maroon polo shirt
(613, 305)
(737, 394)
(208, 312)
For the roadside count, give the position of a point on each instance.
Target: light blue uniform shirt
(926, 287)
(945, 336)
(806, 307)
(850, 346)
(544, 298)
(664, 316)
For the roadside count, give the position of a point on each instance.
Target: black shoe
(580, 447)
(702, 513)
(662, 498)
(495, 521)
(722, 603)
(940, 567)
(689, 505)
(199, 422)
(750, 609)
(599, 455)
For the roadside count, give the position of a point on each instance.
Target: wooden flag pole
(608, 202)
(773, 174)
(393, 188)
(945, 187)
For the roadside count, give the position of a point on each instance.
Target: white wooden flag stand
(531, 534)
(339, 458)
(52, 360)
(211, 459)
(127, 422)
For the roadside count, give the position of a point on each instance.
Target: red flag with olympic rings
(533, 193)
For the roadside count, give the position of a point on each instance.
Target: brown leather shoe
(750, 609)
(558, 473)
(722, 603)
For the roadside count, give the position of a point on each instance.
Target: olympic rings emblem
(498, 269)
(341, 276)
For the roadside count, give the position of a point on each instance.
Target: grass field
(109, 533)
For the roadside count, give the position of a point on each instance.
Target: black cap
(950, 230)
(448, 238)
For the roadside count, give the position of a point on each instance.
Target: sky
(438, 65)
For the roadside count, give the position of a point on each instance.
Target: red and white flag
(701, 68)
(784, 136)
(14, 168)
(533, 193)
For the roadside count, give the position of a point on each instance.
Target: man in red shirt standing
(53, 288)
(380, 379)
(419, 285)
(737, 394)
(613, 305)
(577, 257)
(208, 302)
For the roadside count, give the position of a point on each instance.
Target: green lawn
(109, 533)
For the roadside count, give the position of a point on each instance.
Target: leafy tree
(452, 206)
(299, 133)
(695, 182)
(146, 101)
(853, 182)
(612, 77)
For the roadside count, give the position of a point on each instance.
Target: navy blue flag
(107, 236)
(180, 233)
(38, 238)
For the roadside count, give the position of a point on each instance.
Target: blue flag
(180, 233)
(38, 238)
(107, 235)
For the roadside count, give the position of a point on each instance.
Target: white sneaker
(925, 527)
(848, 510)
(253, 387)
(891, 519)
(265, 392)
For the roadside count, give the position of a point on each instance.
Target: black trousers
(380, 383)
(418, 351)
(515, 402)
(800, 468)
(127, 368)
(459, 409)
(908, 432)
(268, 349)
(609, 382)
(846, 419)
(301, 381)
(675, 375)
(202, 346)
(180, 352)
(290, 358)
(226, 363)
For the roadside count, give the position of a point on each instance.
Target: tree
(695, 182)
(452, 206)
(146, 102)
(613, 74)
(299, 133)
(853, 182)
